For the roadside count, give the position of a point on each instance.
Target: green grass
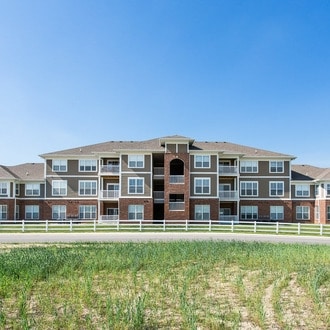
(175, 285)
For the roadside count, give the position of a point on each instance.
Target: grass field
(175, 285)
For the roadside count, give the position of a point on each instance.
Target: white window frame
(276, 166)
(249, 212)
(244, 189)
(61, 186)
(276, 212)
(17, 212)
(328, 212)
(249, 166)
(302, 212)
(59, 165)
(17, 189)
(134, 188)
(328, 189)
(202, 161)
(4, 189)
(136, 212)
(135, 161)
(87, 165)
(279, 191)
(302, 190)
(32, 212)
(202, 212)
(58, 212)
(87, 212)
(85, 185)
(3, 212)
(202, 184)
(317, 212)
(32, 189)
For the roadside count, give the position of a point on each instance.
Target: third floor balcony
(227, 170)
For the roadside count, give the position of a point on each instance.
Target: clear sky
(78, 72)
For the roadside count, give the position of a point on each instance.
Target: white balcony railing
(159, 196)
(159, 171)
(228, 170)
(110, 169)
(176, 178)
(110, 194)
(176, 206)
(228, 195)
(109, 219)
(228, 218)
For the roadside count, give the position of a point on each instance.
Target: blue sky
(76, 72)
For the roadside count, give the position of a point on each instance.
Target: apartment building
(172, 178)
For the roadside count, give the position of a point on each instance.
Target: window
(60, 165)
(17, 189)
(249, 188)
(276, 213)
(87, 211)
(135, 185)
(328, 212)
(3, 188)
(59, 188)
(202, 161)
(17, 212)
(302, 190)
(58, 212)
(3, 212)
(317, 212)
(202, 212)
(202, 185)
(87, 165)
(317, 190)
(32, 189)
(135, 212)
(136, 161)
(250, 166)
(31, 212)
(87, 188)
(276, 166)
(302, 212)
(249, 212)
(328, 189)
(276, 188)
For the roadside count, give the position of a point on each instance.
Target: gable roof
(309, 173)
(157, 145)
(24, 172)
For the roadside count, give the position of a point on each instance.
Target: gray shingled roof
(25, 172)
(155, 145)
(309, 173)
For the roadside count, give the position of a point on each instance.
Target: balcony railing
(176, 206)
(228, 218)
(176, 178)
(110, 169)
(228, 195)
(159, 196)
(110, 194)
(158, 171)
(228, 170)
(109, 219)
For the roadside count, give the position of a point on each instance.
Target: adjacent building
(172, 178)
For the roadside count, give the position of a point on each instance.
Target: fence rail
(71, 225)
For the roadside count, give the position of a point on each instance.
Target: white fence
(165, 225)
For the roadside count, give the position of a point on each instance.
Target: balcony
(158, 197)
(176, 206)
(228, 218)
(110, 169)
(228, 195)
(228, 170)
(110, 194)
(158, 171)
(109, 219)
(177, 179)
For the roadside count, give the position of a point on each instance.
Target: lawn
(175, 285)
